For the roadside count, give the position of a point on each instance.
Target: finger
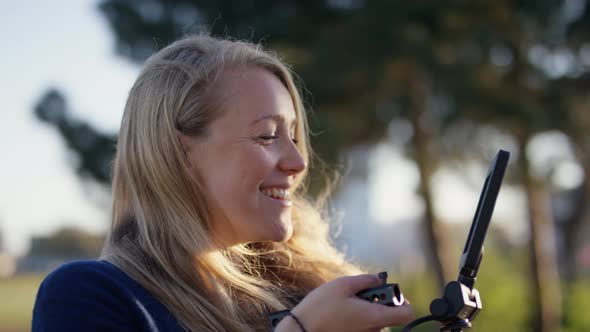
(392, 316)
(358, 283)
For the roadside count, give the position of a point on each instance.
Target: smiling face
(248, 159)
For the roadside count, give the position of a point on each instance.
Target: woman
(211, 228)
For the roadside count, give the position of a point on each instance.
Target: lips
(278, 193)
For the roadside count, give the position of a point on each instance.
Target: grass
(18, 297)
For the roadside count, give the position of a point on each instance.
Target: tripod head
(461, 302)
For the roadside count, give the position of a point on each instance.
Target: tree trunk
(545, 283)
(433, 230)
(581, 213)
(572, 228)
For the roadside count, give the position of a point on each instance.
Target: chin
(281, 232)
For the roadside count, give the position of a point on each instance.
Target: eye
(267, 139)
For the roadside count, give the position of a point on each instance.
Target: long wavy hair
(160, 233)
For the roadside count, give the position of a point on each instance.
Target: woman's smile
(278, 195)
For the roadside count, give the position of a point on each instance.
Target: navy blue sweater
(97, 296)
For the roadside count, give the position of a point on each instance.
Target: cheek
(232, 181)
(237, 175)
(254, 165)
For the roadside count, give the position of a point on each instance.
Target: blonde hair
(160, 232)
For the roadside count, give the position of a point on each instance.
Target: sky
(68, 45)
(52, 44)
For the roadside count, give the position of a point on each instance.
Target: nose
(292, 161)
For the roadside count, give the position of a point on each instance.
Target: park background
(409, 101)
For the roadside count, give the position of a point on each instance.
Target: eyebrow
(275, 117)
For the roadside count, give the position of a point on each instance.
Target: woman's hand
(335, 307)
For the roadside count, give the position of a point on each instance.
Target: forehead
(253, 95)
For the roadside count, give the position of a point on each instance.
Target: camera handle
(456, 309)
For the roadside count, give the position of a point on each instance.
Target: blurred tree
(538, 84)
(67, 243)
(575, 92)
(93, 149)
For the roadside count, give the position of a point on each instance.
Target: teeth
(276, 193)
